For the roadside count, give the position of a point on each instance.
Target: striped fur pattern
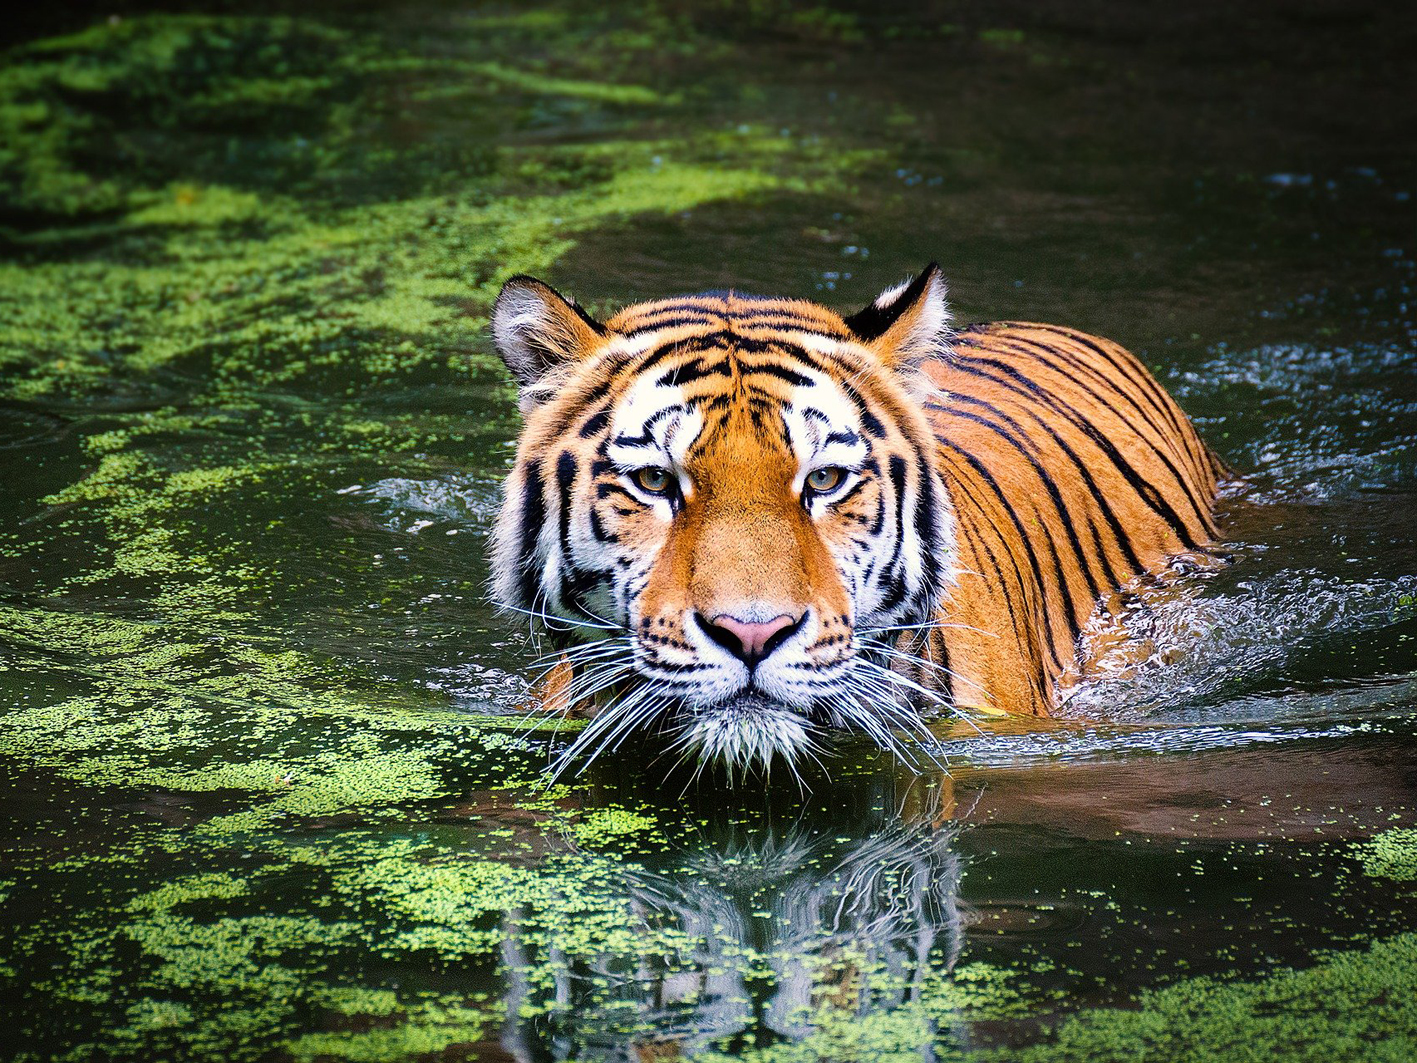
(753, 520)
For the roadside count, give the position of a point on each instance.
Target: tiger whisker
(584, 654)
(891, 651)
(904, 718)
(883, 737)
(927, 625)
(892, 676)
(610, 719)
(552, 620)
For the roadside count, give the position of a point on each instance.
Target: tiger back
(1072, 472)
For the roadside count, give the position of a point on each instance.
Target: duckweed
(1392, 854)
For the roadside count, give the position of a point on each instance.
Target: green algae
(210, 886)
(1351, 1005)
(423, 1029)
(600, 91)
(1348, 1005)
(385, 287)
(1391, 854)
(906, 1021)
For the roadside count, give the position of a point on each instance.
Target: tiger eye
(825, 479)
(653, 480)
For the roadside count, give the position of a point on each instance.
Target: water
(262, 797)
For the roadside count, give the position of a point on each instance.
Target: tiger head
(734, 498)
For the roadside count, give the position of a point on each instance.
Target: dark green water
(260, 798)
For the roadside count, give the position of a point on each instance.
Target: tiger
(751, 522)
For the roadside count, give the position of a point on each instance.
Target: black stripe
(1200, 507)
(1134, 372)
(533, 516)
(854, 490)
(609, 489)
(716, 306)
(1162, 433)
(944, 675)
(1186, 436)
(598, 529)
(1130, 367)
(595, 423)
(927, 529)
(781, 372)
(1123, 540)
(894, 583)
(672, 322)
(869, 420)
(622, 440)
(1145, 490)
(1071, 617)
(880, 519)
(565, 480)
(1022, 635)
(1022, 445)
(686, 372)
(684, 306)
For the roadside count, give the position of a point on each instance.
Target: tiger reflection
(778, 924)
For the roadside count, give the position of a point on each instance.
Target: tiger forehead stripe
(732, 310)
(717, 339)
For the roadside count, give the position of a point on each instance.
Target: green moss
(1352, 1005)
(340, 783)
(1392, 854)
(283, 258)
(210, 886)
(1002, 38)
(424, 1029)
(1349, 1005)
(617, 826)
(600, 91)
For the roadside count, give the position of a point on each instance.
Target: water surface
(262, 799)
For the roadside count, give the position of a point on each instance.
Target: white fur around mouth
(744, 730)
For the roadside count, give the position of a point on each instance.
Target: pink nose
(749, 641)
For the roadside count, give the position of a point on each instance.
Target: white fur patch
(745, 731)
(890, 295)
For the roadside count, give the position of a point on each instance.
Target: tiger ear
(909, 322)
(538, 330)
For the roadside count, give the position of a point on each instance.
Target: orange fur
(1010, 634)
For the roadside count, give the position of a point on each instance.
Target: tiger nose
(749, 641)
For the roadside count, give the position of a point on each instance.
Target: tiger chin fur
(752, 520)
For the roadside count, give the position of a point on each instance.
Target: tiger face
(731, 500)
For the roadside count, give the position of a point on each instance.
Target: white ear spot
(890, 295)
